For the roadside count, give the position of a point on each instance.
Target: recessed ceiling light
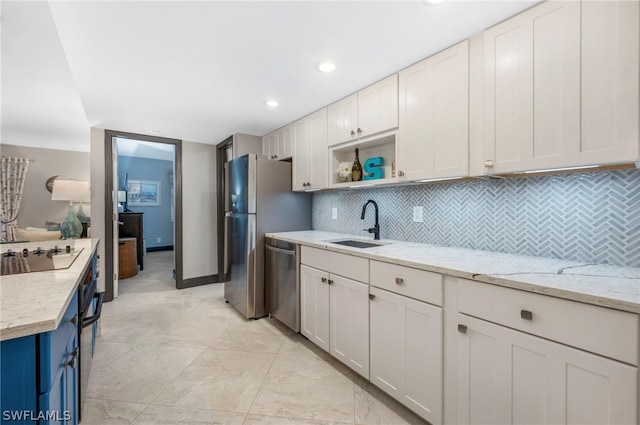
(272, 103)
(327, 67)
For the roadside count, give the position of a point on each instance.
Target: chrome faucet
(376, 228)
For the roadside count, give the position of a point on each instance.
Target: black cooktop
(38, 260)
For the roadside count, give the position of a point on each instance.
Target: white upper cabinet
(560, 88)
(278, 145)
(610, 56)
(343, 120)
(310, 152)
(434, 116)
(370, 111)
(532, 89)
(270, 145)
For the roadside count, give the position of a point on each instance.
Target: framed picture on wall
(143, 193)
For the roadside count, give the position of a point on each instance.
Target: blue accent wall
(588, 217)
(157, 220)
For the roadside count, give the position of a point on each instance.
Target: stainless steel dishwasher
(282, 282)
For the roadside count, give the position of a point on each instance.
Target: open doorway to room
(146, 213)
(143, 224)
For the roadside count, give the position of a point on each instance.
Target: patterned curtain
(12, 178)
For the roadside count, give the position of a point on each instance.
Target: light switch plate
(417, 214)
(334, 213)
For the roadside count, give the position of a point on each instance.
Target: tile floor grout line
(275, 355)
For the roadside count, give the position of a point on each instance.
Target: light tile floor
(168, 356)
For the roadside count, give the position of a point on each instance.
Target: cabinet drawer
(355, 268)
(419, 284)
(600, 330)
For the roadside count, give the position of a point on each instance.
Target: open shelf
(383, 145)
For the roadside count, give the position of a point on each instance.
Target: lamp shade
(122, 196)
(70, 190)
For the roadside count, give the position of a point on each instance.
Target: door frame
(108, 205)
(221, 149)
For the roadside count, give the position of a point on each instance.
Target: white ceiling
(200, 71)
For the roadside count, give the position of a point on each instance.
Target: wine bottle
(356, 170)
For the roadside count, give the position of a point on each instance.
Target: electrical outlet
(334, 213)
(158, 240)
(417, 214)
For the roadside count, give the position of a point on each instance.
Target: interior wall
(586, 217)
(157, 221)
(199, 215)
(37, 207)
(97, 197)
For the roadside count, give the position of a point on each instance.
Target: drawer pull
(526, 314)
(324, 280)
(399, 280)
(330, 282)
(372, 296)
(74, 320)
(462, 329)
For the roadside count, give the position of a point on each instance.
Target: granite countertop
(31, 303)
(602, 285)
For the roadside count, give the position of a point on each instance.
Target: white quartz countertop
(31, 303)
(607, 286)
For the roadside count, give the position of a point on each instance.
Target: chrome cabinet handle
(74, 320)
(330, 282)
(401, 173)
(372, 296)
(399, 280)
(488, 163)
(359, 130)
(324, 280)
(526, 314)
(462, 329)
(353, 133)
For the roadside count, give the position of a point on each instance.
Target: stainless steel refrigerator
(258, 200)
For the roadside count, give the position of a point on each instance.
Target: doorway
(140, 195)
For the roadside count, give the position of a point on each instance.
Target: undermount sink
(358, 243)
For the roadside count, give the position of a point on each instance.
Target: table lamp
(72, 191)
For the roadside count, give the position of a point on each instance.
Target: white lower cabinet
(510, 377)
(349, 320)
(335, 316)
(314, 300)
(406, 351)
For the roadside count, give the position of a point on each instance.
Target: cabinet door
(61, 400)
(610, 56)
(269, 146)
(509, 377)
(349, 310)
(18, 370)
(434, 116)
(532, 89)
(300, 131)
(314, 305)
(406, 352)
(343, 116)
(378, 107)
(319, 151)
(284, 147)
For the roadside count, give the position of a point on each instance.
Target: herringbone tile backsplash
(589, 217)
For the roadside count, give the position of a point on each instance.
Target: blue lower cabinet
(18, 389)
(42, 389)
(59, 377)
(58, 405)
